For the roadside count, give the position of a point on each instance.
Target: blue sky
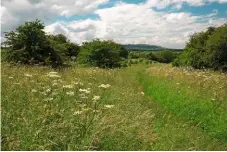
(167, 23)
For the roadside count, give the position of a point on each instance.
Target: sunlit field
(141, 107)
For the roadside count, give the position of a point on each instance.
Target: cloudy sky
(167, 23)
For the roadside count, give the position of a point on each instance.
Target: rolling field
(141, 107)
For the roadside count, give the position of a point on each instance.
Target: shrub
(152, 57)
(206, 50)
(105, 54)
(165, 56)
(64, 47)
(29, 44)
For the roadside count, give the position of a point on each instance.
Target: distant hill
(146, 47)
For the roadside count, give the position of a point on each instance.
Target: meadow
(140, 107)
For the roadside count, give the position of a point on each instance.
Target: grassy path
(52, 118)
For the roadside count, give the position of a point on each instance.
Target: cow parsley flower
(104, 86)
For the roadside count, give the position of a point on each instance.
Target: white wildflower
(96, 98)
(87, 91)
(34, 91)
(108, 106)
(16, 83)
(68, 86)
(27, 75)
(104, 86)
(77, 112)
(53, 72)
(70, 93)
(54, 84)
(53, 75)
(48, 90)
(49, 99)
(78, 83)
(86, 109)
(142, 93)
(84, 97)
(96, 110)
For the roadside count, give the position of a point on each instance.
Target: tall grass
(197, 96)
(82, 108)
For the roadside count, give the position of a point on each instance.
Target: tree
(217, 49)
(206, 50)
(63, 46)
(105, 54)
(29, 44)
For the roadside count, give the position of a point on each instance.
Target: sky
(167, 23)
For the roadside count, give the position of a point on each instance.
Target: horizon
(152, 22)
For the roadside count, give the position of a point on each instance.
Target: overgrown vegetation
(142, 107)
(105, 54)
(206, 50)
(110, 109)
(30, 45)
(164, 56)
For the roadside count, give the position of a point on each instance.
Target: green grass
(38, 114)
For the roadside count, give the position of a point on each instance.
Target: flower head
(104, 86)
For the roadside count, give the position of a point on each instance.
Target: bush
(165, 56)
(29, 44)
(64, 47)
(105, 54)
(152, 57)
(206, 50)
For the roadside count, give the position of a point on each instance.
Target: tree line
(206, 49)
(29, 44)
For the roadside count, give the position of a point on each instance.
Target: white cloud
(131, 23)
(15, 12)
(124, 23)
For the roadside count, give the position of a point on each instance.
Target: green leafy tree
(28, 44)
(63, 46)
(217, 49)
(206, 50)
(106, 54)
(165, 56)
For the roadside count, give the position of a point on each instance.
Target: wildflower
(104, 86)
(142, 93)
(70, 93)
(108, 106)
(78, 83)
(48, 99)
(54, 84)
(33, 90)
(77, 112)
(53, 75)
(27, 75)
(68, 86)
(16, 83)
(96, 111)
(84, 97)
(85, 90)
(96, 98)
(86, 109)
(48, 90)
(53, 72)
